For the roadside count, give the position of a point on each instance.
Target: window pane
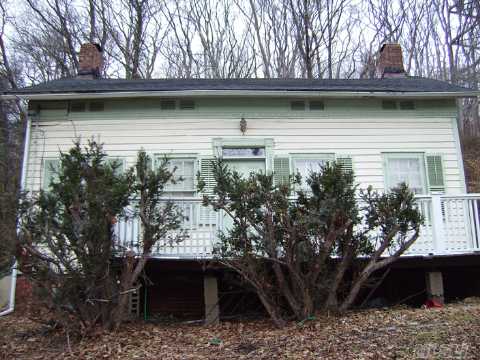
(185, 169)
(243, 152)
(118, 163)
(306, 166)
(408, 170)
(50, 172)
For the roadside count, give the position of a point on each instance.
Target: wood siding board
(363, 132)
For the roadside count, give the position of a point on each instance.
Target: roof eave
(240, 93)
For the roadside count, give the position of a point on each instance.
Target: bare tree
(180, 58)
(224, 49)
(136, 30)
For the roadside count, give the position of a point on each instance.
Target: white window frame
(405, 155)
(179, 156)
(44, 185)
(267, 143)
(120, 159)
(328, 157)
(244, 157)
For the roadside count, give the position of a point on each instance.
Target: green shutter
(206, 174)
(281, 170)
(346, 163)
(50, 169)
(436, 181)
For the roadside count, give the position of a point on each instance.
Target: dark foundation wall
(402, 286)
(406, 281)
(460, 282)
(174, 289)
(176, 294)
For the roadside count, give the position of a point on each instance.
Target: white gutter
(13, 280)
(239, 93)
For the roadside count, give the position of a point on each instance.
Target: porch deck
(452, 227)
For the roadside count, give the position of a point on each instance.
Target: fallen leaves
(402, 333)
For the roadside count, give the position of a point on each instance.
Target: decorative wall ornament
(243, 125)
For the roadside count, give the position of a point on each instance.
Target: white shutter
(436, 180)
(206, 174)
(281, 170)
(345, 162)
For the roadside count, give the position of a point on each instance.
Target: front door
(244, 167)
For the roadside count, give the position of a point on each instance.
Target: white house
(390, 129)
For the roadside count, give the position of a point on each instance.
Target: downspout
(13, 281)
(11, 300)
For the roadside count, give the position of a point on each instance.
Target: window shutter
(436, 181)
(345, 163)
(206, 174)
(281, 170)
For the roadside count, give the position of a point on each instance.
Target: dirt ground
(452, 332)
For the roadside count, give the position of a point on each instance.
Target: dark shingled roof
(407, 84)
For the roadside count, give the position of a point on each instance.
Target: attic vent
(97, 106)
(407, 105)
(389, 105)
(51, 105)
(317, 105)
(77, 106)
(297, 105)
(167, 104)
(187, 104)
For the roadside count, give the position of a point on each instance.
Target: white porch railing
(452, 226)
(202, 225)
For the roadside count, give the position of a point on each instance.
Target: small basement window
(77, 106)
(297, 105)
(398, 105)
(167, 104)
(187, 105)
(389, 105)
(407, 105)
(97, 106)
(316, 105)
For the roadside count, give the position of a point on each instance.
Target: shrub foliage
(67, 243)
(314, 249)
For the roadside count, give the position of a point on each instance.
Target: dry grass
(449, 333)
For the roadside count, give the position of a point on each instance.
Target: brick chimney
(90, 61)
(390, 62)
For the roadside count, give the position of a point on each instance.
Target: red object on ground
(432, 303)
